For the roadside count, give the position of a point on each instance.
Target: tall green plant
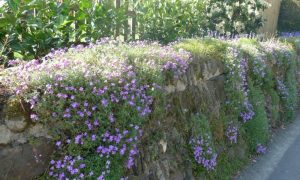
(34, 27)
(166, 20)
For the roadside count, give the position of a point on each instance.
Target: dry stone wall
(202, 86)
(24, 143)
(26, 146)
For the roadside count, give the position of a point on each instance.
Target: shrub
(30, 29)
(35, 27)
(234, 16)
(166, 20)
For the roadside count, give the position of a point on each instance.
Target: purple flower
(123, 149)
(54, 114)
(260, 149)
(248, 113)
(75, 104)
(104, 102)
(67, 115)
(232, 133)
(130, 162)
(86, 104)
(78, 139)
(58, 143)
(101, 177)
(111, 118)
(80, 113)
(81, 175)
(203, 153)
(34, 117)
(81, 166)
(93, 137)
(96, 122)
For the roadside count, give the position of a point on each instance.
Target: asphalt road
(282, 161)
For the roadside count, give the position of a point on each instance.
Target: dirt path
(282, 161)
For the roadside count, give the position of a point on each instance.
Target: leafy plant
(235, 16)
(257, 130)
(168, 20)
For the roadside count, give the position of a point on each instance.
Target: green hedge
(31, 28)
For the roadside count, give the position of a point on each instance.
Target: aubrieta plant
(232, 133)
(97, 98)
(203, 152)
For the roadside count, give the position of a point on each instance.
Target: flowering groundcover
(99, 98)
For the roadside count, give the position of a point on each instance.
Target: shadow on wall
(289, 18)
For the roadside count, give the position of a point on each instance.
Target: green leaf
(4, 22)
(18, 55)
(13, 4)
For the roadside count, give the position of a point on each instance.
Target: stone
(20, 138)
(180, 86)
(5, 135)
(159, 173)
(27, 161)
(163, 145)
(211, 69)
(39, 131)
(170, 89)
(17, 124)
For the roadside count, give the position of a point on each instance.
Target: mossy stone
(16, 115)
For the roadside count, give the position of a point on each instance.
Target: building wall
(271, 18)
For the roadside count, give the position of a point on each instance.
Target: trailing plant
(257, 130)
(99, 99)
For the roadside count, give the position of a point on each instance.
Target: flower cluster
(260, 149)
(243, 76)
(282, 89)
(203, 153)
(100, 95)
(259, 66)
(282, 54)
(232, 133)
(290, 34)
(248, 113)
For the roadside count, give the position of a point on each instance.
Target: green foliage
(226, 167)
(275, 108)
(256, 130)
(34, 27)
(206, 48)
(167, 20)
(31, 28)
(290, 103)
(289, 16)
(235, 16)
(200, 126)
